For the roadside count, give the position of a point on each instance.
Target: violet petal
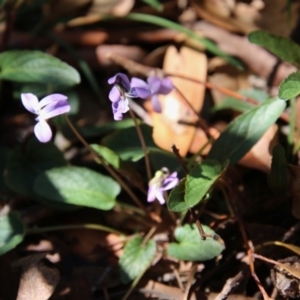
(138, 83)
(156, 104)
(170, 182)
(151, 194)
(140, 92)
(30, 102)
(51, 98)
(120, 106)
(166, 86)
(120, 79)
(54, 109)
(114, 94)
(43, 131)
(154, 84)
(118, 116)
(160, 197)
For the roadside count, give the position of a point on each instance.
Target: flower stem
(75, 226)
(143, 144)
(109, 169)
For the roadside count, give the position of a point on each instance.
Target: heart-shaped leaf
(176, 197)
(191, 247)
(36, 67)
(12, 232)
(242, 133)
(136, 258)
(200, 179)
(78, 186)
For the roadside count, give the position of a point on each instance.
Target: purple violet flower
(122, 90)
(159, 86)
(162, 181)
(49, 107)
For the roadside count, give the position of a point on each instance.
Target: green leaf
(278, 176)
(200, 179)
(243, 133)
(136, 258)
(26, 164)
(290, 86)
(232, 103)
(36, 67)
(176, 198)
(12, 232)
(191, 247)
(77, 186)
(282, 47)
(108, 155)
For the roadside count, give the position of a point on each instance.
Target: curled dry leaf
(175, 125)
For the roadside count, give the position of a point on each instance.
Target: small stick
(182, 163)
(143, 144)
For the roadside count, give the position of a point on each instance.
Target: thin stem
(143, 144)
(109, 169)
(76, 226)
(148, 235)
(178, 156)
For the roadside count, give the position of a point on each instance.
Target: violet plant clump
(122, 90)
(49, 107)
(161, 182)
(136, 88)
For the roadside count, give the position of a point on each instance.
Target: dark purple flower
(122, 90)
(49, 107)
(159, 86)
(162, 181)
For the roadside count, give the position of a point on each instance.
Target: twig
(178, 156)
(256, 279)
(143, 144)
(229, 285)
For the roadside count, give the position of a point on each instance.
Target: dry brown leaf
(38, 281)
(167, 129)
(259, 156)
(226, 76)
